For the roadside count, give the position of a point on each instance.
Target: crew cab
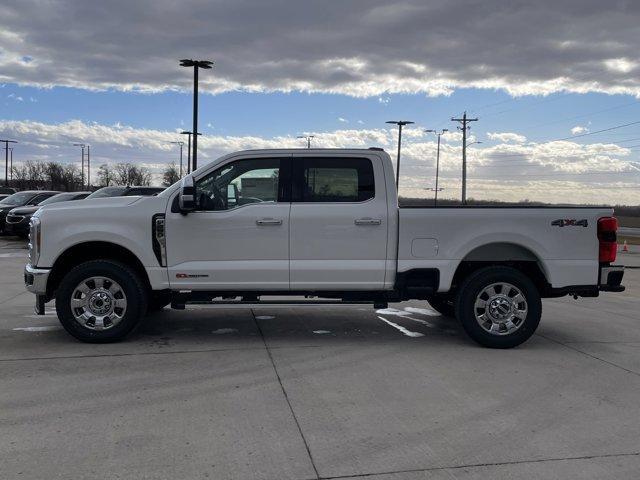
(318, 224)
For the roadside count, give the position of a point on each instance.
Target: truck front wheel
(100, 301)
(499, 307)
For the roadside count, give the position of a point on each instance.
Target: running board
(180, 300)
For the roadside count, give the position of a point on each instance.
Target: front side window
(239, 183)
(334, 180)
(39, 198)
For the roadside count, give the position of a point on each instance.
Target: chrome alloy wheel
(500, 308)
(98, 303)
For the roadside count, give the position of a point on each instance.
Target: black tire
(474, 285)
(443, 304)
(129, 281)
(157, 301)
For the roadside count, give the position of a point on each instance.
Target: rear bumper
(611, 278)
(35, 279)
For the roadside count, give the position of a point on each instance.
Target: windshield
(19, 198)
(108, 192)
(61, 197)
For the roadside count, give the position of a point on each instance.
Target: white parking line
(408, 333)
(223, 331)
(44, 328)
(423, 311)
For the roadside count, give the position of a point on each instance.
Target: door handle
(368, 221)
(269, 221)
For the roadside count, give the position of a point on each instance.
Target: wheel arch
(93, 250)
(509, 254)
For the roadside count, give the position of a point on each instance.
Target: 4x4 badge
(570, 222)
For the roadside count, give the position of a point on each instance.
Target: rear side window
(333, 180)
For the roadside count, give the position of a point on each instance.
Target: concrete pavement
(320, 392)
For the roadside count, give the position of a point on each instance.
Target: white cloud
(579, 129)
(507, 137)
(343, 120)
(560, 171)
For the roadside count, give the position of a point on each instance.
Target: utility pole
(185, 132)
(436, 190)
(6, 160)
(400, 123)
(196, 64)
(464, 120)
(181, 144)
(308, 138)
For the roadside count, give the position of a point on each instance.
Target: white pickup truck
(322, 225)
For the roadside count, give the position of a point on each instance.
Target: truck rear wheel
(100, 301)
(499, 307)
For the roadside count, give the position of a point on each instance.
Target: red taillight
(607, 227)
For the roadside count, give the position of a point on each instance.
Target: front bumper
(35, 279)
(611, 278)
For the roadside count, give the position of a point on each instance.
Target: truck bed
(442, 237)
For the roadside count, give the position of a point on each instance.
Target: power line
(597, 131)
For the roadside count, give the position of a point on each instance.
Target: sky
(555, 86)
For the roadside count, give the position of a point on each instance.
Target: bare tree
(105, 175)
(71, 178)
(29, 175)
(19, 174)
(130, 174)
(170, 175)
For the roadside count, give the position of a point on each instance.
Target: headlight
(35, 239)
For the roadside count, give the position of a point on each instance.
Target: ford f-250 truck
(322, 224)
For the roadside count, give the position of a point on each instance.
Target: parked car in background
(22, 199)
(17, 221)
(126, 191)
(7, 191)
(4, 195)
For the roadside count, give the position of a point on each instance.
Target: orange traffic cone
(624, 247)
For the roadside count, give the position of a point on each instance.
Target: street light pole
(88, 167)
(188, 134)
(400, 123)
(181, 144)
(196, 64)
(11, 163)
(6, 160)
(307, 138)
(81, 145)
(444, 130)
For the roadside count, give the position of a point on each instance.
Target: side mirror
(187, 196)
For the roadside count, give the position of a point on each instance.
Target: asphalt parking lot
(319, 392)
